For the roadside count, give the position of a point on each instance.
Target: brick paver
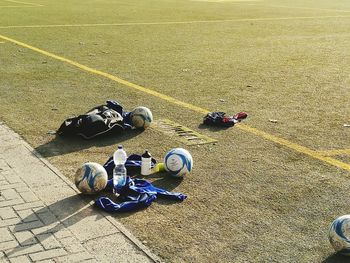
(42, 219)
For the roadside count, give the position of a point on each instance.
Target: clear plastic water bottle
(119, 172)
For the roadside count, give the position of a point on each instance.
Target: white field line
(309, 8)
(17, 6)
(177, 22)
(23, 3)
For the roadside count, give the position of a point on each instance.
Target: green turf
(250, 200)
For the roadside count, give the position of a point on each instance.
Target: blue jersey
(136, 194)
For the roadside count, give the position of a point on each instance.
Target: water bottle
(119, 172)
(146, 163)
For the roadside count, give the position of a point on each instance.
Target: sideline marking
(17, 6)
(24, 3)
(225, 1)
(265, 135)
(335, 152)
(295, 147)
(181, 22)
(109, 76)
(309, 8)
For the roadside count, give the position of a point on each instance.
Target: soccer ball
(141, 117)
(91, 178)
(339, 235)
(178, 162)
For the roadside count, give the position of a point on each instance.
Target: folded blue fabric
(141, 201)
(136, 194)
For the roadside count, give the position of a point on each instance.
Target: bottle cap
(146, 155)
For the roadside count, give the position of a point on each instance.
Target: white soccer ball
(178, 162)
(141, 117)
(91, 178)
(339, 234)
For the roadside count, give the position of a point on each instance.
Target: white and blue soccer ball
(178, 162)
(141, 117)
(339, 234)
(91, 178)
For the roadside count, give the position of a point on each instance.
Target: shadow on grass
(61, 145)
(162, 180)
(213, 128)
(336, 258)
(167, 183)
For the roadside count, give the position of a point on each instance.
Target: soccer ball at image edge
(91, 178)
(339, 235)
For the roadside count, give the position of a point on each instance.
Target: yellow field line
(24, 3)
(109, 76)
(178, 22)
(267, 136)
(295, 147)
(334, 152)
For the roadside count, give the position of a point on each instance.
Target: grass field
(265, 192)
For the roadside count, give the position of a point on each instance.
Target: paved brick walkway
(43, 219)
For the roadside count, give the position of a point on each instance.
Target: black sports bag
(103, 119)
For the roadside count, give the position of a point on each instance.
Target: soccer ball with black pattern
(141, 117)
